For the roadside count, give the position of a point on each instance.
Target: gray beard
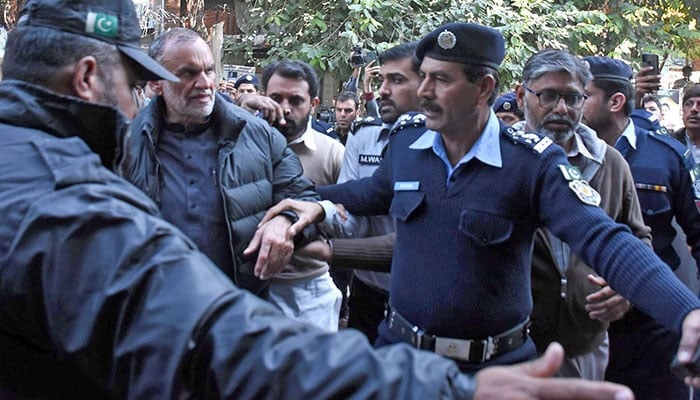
(560, 138)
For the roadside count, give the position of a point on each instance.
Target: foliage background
(322, 32)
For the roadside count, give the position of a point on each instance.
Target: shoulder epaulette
(678, 148)
(409, 120)
(322, 126)
(366, 121)
(531, 140)
(661, 131)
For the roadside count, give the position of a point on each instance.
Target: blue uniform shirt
(662, 171)
(462, 256)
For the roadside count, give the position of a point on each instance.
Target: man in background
(639, 345)
(246, 84)
(506, 108)
(346, 111)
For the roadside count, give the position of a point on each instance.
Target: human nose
(425, 89)
(286, 108)
(560, 105)
(384, 89)
(204, 80)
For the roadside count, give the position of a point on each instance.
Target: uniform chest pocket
(653, 202)
(485, 229)
(405, 204)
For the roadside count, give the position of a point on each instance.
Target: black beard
(292, 130)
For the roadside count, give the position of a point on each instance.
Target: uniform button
(192, 181)
(484, 239)
(189, 156)
(193, 206)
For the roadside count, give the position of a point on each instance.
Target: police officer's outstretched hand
(689, 342)
(531, 380)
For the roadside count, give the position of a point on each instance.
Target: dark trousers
(640, 352)
(366, 308)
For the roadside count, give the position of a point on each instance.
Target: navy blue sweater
(461, 265)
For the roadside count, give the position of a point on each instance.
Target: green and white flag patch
(102, 24)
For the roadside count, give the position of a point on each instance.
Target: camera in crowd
(326, 114)
(357, 59)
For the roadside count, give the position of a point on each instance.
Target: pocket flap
(405, 203)
(484, 228)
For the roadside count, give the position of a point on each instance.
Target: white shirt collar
(307, 138)
(630, 134)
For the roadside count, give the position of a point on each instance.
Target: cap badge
(102, 24)
(506, 106)
(446, 40)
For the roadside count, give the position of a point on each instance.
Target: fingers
(580, 389)
(269, 109)
(341, 212)
(274, 211)
(597, 280)
(254, 243)
(600, 296)
(532, 380)
(610, 310)
(690, 336)
(260, 269)
(545, 366)
(276, 248)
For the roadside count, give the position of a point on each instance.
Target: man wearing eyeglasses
(468, 194)
(572, 305)
(662, 170)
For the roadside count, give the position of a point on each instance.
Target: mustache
(202, 92)
(558, 119)
(385, 102)
(428, 105)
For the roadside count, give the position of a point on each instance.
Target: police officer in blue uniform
(468, 193)
(662, 171)
(506, 109)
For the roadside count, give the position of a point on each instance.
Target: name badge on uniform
(370, 159)
(585, 192)
(406, 186)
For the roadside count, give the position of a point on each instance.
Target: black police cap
(464, 43)
(247, 78)
(506, 103)
(608, 68)
(111, 21)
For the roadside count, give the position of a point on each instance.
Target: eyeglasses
(550, 98)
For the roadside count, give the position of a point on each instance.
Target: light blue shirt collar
(486, 149)
(630, 135)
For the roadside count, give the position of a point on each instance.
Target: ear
(85, 82)
(156, 87)
(486, 88)
(315, 101)
(520, 96)
(617, 102)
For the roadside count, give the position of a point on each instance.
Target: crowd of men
(193, 243)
